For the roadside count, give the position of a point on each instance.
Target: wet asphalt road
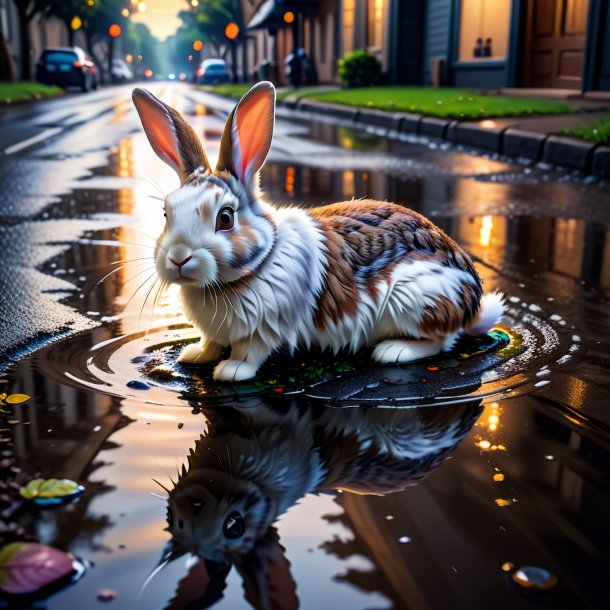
(79, 192)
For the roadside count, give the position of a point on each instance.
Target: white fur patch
(491, 310)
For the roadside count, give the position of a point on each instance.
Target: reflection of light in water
(120, 110)
(568, 246)
(576, 392)
(490, 420)
(289, 186)
(485, 231)
(348, 183)
(154, 416)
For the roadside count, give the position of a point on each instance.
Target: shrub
(359, 69)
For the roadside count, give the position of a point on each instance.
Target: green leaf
(48, 488)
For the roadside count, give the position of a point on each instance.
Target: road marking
(43, 135)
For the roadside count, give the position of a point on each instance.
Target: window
(349, 10)
(484, 29)
(374, 23)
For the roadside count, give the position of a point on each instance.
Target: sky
(161, 16)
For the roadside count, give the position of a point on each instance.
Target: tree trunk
(24, 46)
(7, 68)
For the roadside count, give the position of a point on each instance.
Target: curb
(558, 151)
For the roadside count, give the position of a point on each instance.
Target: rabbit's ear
(171, 137)
(268, 583)
(247, 136)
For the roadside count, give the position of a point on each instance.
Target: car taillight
(200, 72)
(78, 64)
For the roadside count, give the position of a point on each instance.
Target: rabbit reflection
(253, 463)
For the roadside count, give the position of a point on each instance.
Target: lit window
(374, 23)
(484, 29)
(348, 24)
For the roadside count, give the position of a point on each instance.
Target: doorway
(555, 47)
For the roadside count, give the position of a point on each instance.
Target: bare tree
(26, 11)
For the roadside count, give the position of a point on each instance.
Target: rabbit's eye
(234, 526)
(225, 219)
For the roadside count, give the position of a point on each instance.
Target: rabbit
(255, 461)
(258, 278)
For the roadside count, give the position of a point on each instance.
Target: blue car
(66, 67)
(213, 71)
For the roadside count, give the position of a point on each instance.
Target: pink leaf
(27, 567)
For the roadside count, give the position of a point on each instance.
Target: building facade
(551, 44)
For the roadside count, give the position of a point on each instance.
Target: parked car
(120, 72)
(212, 72)
(67, 67)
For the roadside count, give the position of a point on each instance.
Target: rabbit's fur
(261, 459)
(256, 278)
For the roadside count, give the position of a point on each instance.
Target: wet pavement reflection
(285, 502)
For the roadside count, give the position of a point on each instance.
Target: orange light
(231, 31)
(125, 12)
(289, 17)
(198, 45)
(77, 64)
(115, 30)
(148, 73)
(129, 58)
(190, 58)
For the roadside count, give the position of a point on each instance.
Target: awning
(270, 13)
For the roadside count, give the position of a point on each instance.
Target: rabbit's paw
(396, 351)
(196, 354)
(234, 370)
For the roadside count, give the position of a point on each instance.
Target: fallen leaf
(49, 488)
(17, 399)
(26, 567)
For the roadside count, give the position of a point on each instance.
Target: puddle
(355, 507)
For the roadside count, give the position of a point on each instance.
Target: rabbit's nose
(179, 255)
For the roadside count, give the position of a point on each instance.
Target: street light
(115, 30)
(198, 45)
(142, 7)
(232, 31)
(289, 17)
(194, 3)
(76, 23)
(125, 12)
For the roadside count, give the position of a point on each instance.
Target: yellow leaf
(15, 399)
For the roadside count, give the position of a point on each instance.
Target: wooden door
(555, 50)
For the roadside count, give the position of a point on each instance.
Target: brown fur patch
(367, 239)
(340, 297)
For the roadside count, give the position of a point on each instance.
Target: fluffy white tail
(490, 311)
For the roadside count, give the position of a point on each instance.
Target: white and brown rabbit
(257, 278)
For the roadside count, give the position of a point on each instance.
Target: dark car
(213, 71)
(67, 67)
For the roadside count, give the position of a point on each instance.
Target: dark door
(555, 51)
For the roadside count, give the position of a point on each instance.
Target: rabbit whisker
(129, 227)
(146, 299)
(162, 486)
(132, 260)
(109, 274)
(139, 287)
(154, 183)
(133, 277)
